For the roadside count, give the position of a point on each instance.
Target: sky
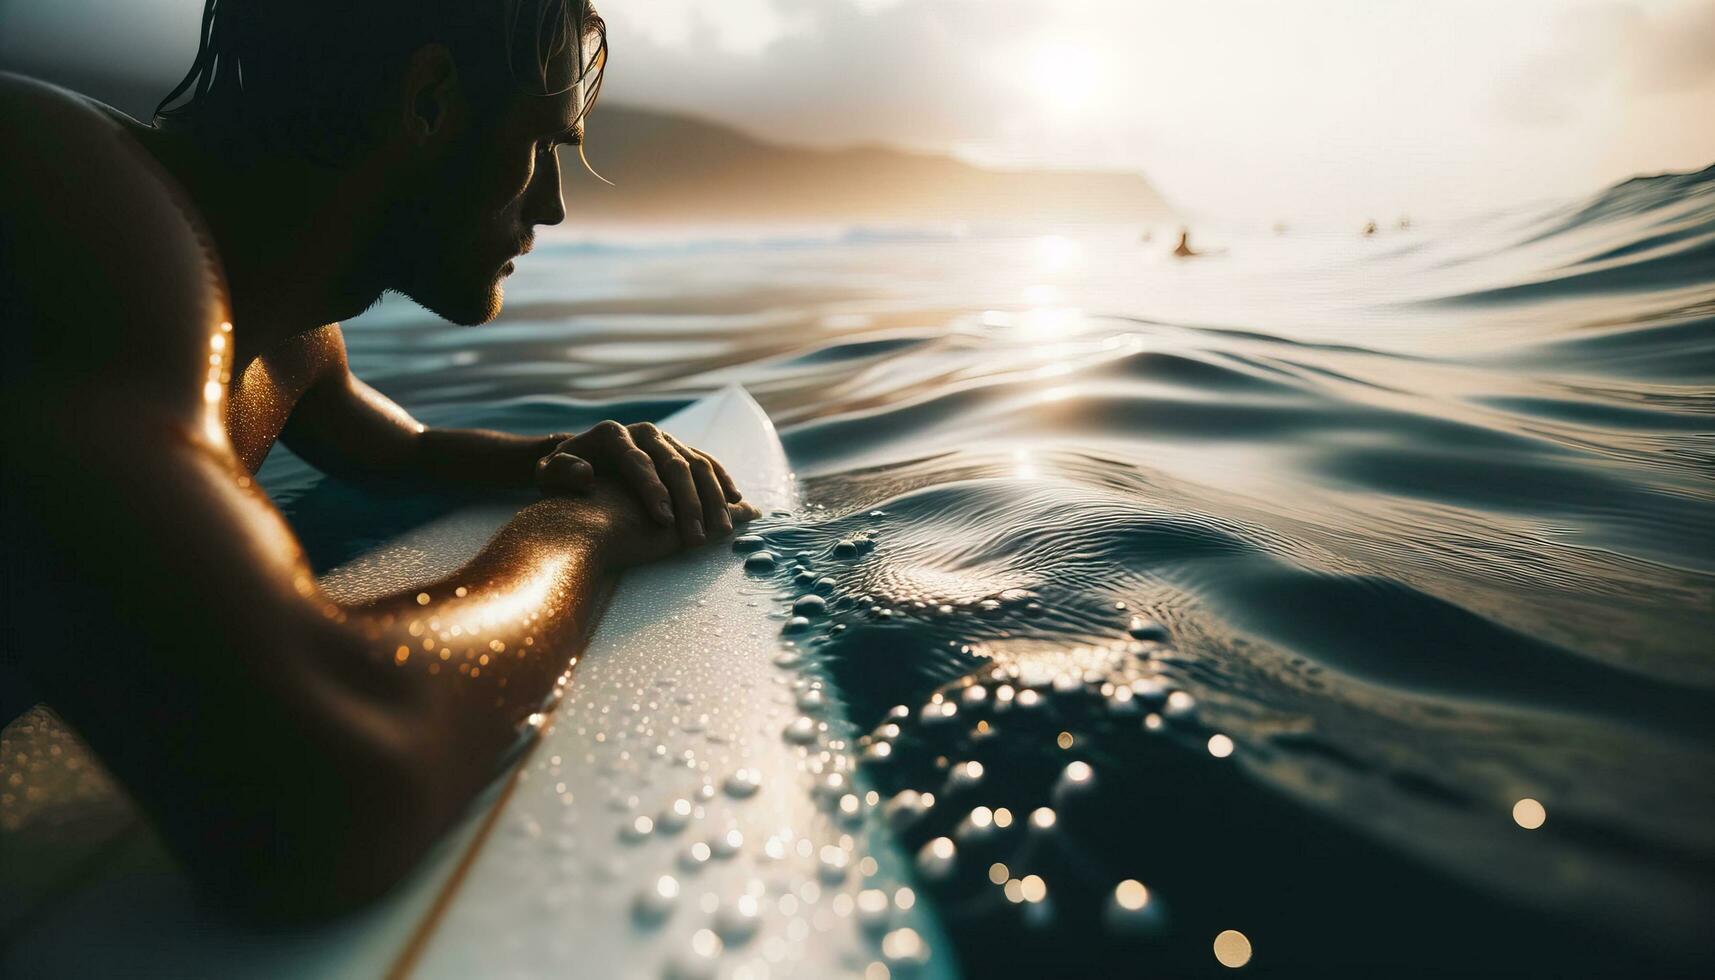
(1259, 109)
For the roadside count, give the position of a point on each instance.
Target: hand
(609, 514)
(676, 484)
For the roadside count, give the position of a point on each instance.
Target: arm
(345, 427)
(295, 754)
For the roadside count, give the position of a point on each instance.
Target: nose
(547, 205)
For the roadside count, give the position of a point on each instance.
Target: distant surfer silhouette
(1184, 250)
(172, 294)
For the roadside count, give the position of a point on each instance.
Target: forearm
(479, 457)
(417, 700)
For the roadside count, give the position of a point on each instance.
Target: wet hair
(307, 77)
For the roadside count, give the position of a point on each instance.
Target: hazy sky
(1252, 108)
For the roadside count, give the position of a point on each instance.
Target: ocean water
(1326, 603)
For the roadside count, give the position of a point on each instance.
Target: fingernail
(664, 511)
(696, 529)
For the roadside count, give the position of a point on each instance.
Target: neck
(297, 243)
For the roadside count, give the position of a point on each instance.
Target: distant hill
(675, 168)
(669, 167)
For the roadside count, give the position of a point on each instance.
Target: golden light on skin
(1232, 949)
(1220, 746)
(215, 382)
(1131, 895)
(1529, 814)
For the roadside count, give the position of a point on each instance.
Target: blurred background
(1344, 110)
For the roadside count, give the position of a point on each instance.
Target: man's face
(496, 181)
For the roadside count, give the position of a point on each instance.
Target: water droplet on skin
(760, 561)
(810, 605)
(743, 784)
(797, 624)
(746, 543)
(812, 700)
(824, 585)
(845, 548)
(803, 576)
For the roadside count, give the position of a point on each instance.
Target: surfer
(172, 294)
(1184, 250)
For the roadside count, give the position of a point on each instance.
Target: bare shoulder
(107, 280)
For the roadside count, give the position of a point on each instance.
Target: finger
(563, 473)
(675, 471)
(638, 470)
(709, 488)
(729, 489)
(742, 512)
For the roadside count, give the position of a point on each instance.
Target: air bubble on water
(966, 774)
(1179, 704)
(760, 561)
(938, 711)
(1132, 909)
(935, 859)
(1076, 778)
(1142, 628)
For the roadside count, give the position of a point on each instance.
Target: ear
(432, 103)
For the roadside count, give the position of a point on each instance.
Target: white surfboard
(692, 809)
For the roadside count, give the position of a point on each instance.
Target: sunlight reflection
(1057, 253)
(1023, 467)
(1049, 323)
